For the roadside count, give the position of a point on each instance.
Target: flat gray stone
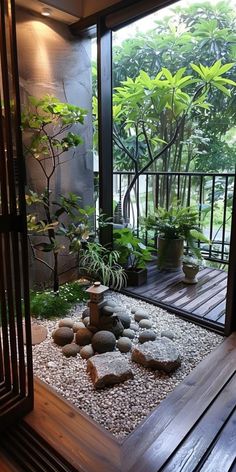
(147, 335)
(66, 322)
(141, 315)
(128, 333)
(134, 327)
(124, 344)
(108, 369)
(161, 354)
(124, 319)
(167, 334)
(145, 323)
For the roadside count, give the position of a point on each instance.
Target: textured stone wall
(52, 61)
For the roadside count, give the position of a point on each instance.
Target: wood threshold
(158, 439)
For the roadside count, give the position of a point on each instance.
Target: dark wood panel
(162, 432)
(195, 447)
(193, 302)
(77, 438)
(223, 453)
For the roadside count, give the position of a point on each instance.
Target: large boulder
(103, 341)
(63, 336)
(108, 369)
(161, 354)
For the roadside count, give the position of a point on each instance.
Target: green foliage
(177, 223)
(204, 31)
(47, 304)
(133, 254)
(99, 263)
(49, 125)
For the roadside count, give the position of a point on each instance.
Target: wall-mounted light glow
(46, 12)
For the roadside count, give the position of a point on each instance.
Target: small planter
(169, 254)
(136, 277)
(190, 272)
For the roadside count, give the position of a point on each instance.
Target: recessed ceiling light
(46, 12)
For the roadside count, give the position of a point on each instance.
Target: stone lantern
(96, 293)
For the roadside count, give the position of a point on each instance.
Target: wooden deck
(192, 430)
(203, 303)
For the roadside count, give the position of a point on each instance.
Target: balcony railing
(211, 193)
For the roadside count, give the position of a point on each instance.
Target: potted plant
(134, 255)
(191, 266)
(172, 227)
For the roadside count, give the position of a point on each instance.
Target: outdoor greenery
(177, 223)
(99, 263)
(49, 124)
(204, 31)
(133, 254)
(47, 304)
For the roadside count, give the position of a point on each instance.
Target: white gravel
(121, 407)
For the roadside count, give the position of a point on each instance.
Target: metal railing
(211, 193)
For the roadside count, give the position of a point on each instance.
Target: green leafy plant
(177, 223)
(47, 304)
(133, 254)
(141, 105)
(98, 263)
(49, 122)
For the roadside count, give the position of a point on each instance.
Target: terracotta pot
(190, 272)
(169, 253)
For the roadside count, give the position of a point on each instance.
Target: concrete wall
(52, 61)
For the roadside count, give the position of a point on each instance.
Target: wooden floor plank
(168, 425)
(223, 454)
(216, 312)
(213, 302)
(166, 289)
(199, 440)
(74, 434)
(7, 465)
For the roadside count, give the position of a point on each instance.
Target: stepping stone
(145, 323)
(161, 354)
(108, 369)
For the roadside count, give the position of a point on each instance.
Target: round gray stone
(86, 320)
(167, 334)
(70, 350)
(66, 322)
(133, 310)
(83, 336)
(86, 313)
(77, 325)
(147, 335)
(87, 351)
(103, 341)
(141, 315)
(110, 303)
(124, 344)
(128, 333)
(134, 327)
(118, 308)
(145, 323)
(107, 310)
(124, 319)
(63, 336)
